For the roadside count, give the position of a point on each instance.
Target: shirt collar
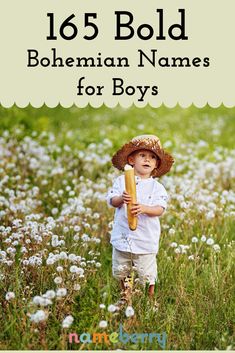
(138, 178)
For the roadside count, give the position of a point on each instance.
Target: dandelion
(59, 268)
(210, 215)
(171, 231)
(129, 311)
(210, 241)
(50, 261)
(67, 322)
(103, 324)
(203, 238)
(9, 296)
(216, 247)
(191, 257)
(77, 286)
(54, 211)
(76, 237)
(58, 280)
(63, 255)
(173, 245)
(77, 228)
(73, 269)
(61, 292)
(50, 294)
(39, 316)
(45, 302)
(37, 300)
(194, 239)
(72, 257)
(112, 308)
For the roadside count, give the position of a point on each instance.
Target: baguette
(131, 189)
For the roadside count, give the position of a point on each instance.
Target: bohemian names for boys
(148, 58)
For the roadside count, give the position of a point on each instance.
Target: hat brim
(120, 158)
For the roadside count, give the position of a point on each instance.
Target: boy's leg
(147, 270)
(151, 290)
(121, 266)
(122, 284)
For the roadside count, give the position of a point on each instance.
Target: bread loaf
(131, 189)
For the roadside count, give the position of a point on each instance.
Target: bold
(127, 24)
(116, 86)
(30, 57)
(206, 62)
(181, 27)
(80, 87)
(152, 60)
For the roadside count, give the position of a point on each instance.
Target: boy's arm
(118, 201)
(151, 211)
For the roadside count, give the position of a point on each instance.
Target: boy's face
(144, 162)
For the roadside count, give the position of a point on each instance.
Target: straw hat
(147, 142)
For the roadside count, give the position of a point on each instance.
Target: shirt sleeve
(115, 190)
(160, 197)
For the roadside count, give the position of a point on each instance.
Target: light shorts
(145, 264)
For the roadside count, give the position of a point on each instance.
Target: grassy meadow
(55, 256)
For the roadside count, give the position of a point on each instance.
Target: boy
(139, 247)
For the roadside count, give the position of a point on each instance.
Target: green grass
(195, 298)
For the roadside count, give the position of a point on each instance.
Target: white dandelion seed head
(61, 292)
(50, 294)
(194, 239)
(63, 255)
(37, 300)
(77, 286)
(67, 322)
(112, 308)
(173, 245)
(72, 257)
(58, 280)
(210, 241)
(103, 324)
(171, 231)
(39, 316)
(203, 238)
(191, 257)
(59, 268)
(129, 311)
(9, 296)
(216, 247)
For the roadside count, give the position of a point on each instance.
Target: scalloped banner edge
(118, 104)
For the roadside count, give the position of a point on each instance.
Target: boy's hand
(137, 209)
(126, 197)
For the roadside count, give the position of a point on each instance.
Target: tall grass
(54, 173)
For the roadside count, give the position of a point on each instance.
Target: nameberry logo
(120, 336)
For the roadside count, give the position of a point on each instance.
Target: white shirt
(145, 239)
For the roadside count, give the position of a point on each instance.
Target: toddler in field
(139, 247)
